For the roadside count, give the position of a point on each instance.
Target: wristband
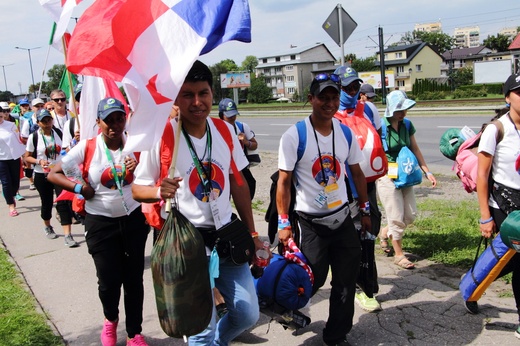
(483, 222)
(428, 173)
(365, 207)
(77, 188)
(158, 194)
(283, 221)
(254, 235)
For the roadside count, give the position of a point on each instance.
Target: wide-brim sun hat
(397, 101)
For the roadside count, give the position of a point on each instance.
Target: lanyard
(119, 182)
(50, 150)
(333, 163)
(204, 176)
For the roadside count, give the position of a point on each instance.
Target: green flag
(65, 84)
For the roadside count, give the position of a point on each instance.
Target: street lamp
(410, 76)
(30, 61)
(5, 79)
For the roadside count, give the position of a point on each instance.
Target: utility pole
(5, 79)
(382, 65)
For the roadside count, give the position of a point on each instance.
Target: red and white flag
(149, 46)
(61, 12)
(95, 89)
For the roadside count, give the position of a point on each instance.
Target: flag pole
(171, 171)
(69, 77)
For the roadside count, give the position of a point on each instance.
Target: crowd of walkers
(324, 201)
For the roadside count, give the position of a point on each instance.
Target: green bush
(495, 88)
(462, 93)
(432, 95)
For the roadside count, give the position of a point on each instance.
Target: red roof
(516, 43)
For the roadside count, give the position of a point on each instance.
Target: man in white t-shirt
(324, 229)
(60, 114)
(203, 152)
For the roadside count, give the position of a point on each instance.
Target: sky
(276, 25)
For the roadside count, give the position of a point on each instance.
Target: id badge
(392, 170)
(333, 196)
(213, 196)
(320, 200)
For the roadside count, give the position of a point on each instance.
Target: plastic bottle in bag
(72, 171)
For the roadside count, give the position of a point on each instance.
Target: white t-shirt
(506, 155)
(10, 146)
(45, 148)
(192, 202)
(247, 130)
(67, 137)
(59, 120)
(107, 200)
(26, 124)
(308, 173)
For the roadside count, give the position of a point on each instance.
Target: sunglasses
(322, 77)
(61, 99)
(354, 86)
(38, 106)
(6, 110)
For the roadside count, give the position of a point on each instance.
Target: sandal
(403, 262)
(13, 213)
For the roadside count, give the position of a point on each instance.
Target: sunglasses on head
(325, 77)
(61, 99)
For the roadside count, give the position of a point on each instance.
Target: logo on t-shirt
(326, 172)
(108, 181)
(216, 186)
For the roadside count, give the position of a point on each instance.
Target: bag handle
(171, 171)
(293, 254)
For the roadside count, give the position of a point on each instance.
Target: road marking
(449, 127)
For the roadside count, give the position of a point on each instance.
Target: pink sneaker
(137, 340)
(109, 333)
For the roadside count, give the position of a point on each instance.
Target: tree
(54, 74)
(498, 43)
(249, 64)
(462, 76)
(46, 89)
(223, 66)
(440, 40)
(365, 64)
(6, 96)
(259, 92)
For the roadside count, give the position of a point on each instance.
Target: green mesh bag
(181, 278)
(450, 143)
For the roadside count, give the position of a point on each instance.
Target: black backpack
(35, 139)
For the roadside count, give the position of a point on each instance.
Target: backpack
(384, 132)
(152, 211)
(271, 215)
(466, 161)
(78, 201)
(375, 164)
(252, 155)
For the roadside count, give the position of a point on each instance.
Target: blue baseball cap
(347, 75)
(228, 107)
(42, 113)
(108, 106)
(24, 101)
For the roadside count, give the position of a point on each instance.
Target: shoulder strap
(58, 131)
(383, 135)
(166, 150)
(500, 130)
(240, 126)
(302, 139)
(408, 124)
(71, 126)
(224, 131)
(90, 148)
(35, 143)
(347, 133)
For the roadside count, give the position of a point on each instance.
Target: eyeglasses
(354, 86)
(61, 99)
(325, 77)
(6, 110)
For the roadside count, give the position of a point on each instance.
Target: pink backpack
(466, 161)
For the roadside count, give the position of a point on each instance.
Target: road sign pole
(340, 26)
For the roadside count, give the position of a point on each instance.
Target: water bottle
(72, 171)
(260, 261)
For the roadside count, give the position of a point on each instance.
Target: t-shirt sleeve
(29, 146)
(488, 140)
(248, 132)
(149, 167)
(288, 150)
(412, 129)
(238, 154)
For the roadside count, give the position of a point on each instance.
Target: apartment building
(429, 27)
(291, 72)
(467, 37)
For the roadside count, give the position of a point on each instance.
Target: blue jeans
(235, 283)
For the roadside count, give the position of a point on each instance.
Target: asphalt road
(429, 129)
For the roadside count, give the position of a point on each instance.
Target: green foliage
(427, 89)
(46, 89)
(249, 64)
(20, 324)
(365, 64)
(499, 43)
(259, 92)
(6, 96)
(461, 93)
(54, 74)
(440, 40)
(462, 76)
(447, 233)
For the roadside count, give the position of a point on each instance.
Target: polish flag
(61, 12)
(149, 46)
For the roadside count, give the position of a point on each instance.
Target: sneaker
(222, 310)
(49, 232)
(19, 197)
(517, 332)
(32, 187)
(471, 307)
(109, 333)
(366, 303)
(70, 242)
(137, 340)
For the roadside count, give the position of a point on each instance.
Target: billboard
(374, 78)
(491, 71)
(235, 80)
